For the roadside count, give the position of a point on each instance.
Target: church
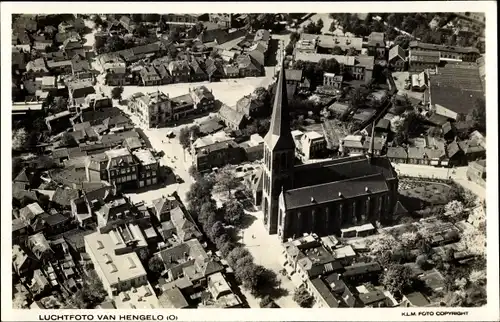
(322, 197)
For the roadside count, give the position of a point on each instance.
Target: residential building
(466, 54)
(222, 19)
(249, 105)
(163, 206)
(116, 166)
(72, 47)
(187, 266)
(414, 299)
(473, 151)
(153, 109)
(397, 154)
(360, 145)
(98, 101)
(308, 259)
(254, 148)
(58, 122)
(374, 298)
(120, 269)
(148, 167)
(419, 82)
(149, 76)
(214, 69)
(61, 67)
(376, 44)
(183, 107)
(164, 74)
(293, 76)
(180, 71)
(310, 145)
(232, 118)
(231, 71)
(324, 297)
(221, 294)
(309, 43)
(362, 272)
(420, 60)
(78, 90)
(312, 197)
(417, 155)
(397, 58)
(203, 98)
(197, 74)
(23, 261)
(248, 66)
(209, 153)
(332, 80)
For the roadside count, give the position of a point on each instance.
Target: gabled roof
(229, 114)
(397, 51)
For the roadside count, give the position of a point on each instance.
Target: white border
(488, 313)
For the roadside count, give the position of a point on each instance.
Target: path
(267, 251)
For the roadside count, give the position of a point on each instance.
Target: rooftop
(145, 157)
(114, 267)
(334, 191)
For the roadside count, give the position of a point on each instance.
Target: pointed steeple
(279, 135)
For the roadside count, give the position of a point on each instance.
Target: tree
(453, 209)
(68, 140)
(187, 134)
(409, 239)
(478, 115)
(477, 276)
(337, 50)
(233, 212)
(397, 279)
(156, 265)
(91, 293)
(216, 231)
(382, 244)
(114, 43)
(174, 34)
(289, 49)
(267, 301)
(434, 131)
(238, 254)
(116, 93)
(19, 139)
(226, 181)
(221, 240)
(302, 297)
(352, 52)
(475, 242)
(59, 104)
(403, 41)
(294, 37)
(421, 261)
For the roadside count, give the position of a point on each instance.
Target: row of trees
(256, 278)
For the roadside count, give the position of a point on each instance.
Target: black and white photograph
(249, 160)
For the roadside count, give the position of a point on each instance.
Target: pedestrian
(253, 236)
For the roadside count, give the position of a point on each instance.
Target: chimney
(312, 200)
(340, 194)
(366, 189)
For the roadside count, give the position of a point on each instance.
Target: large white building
(119, 267)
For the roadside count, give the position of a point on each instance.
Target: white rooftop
(115, 268)
(145, 157)
(142, 297)
(115, 153)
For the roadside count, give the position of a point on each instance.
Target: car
(178, 179)
(239, 169)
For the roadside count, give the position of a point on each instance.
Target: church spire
(279, 130)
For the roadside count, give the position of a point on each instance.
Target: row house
(149, 76)
(180, 71)
(445, 52)
(421, 60)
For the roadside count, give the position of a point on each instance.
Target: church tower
(279, 156)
